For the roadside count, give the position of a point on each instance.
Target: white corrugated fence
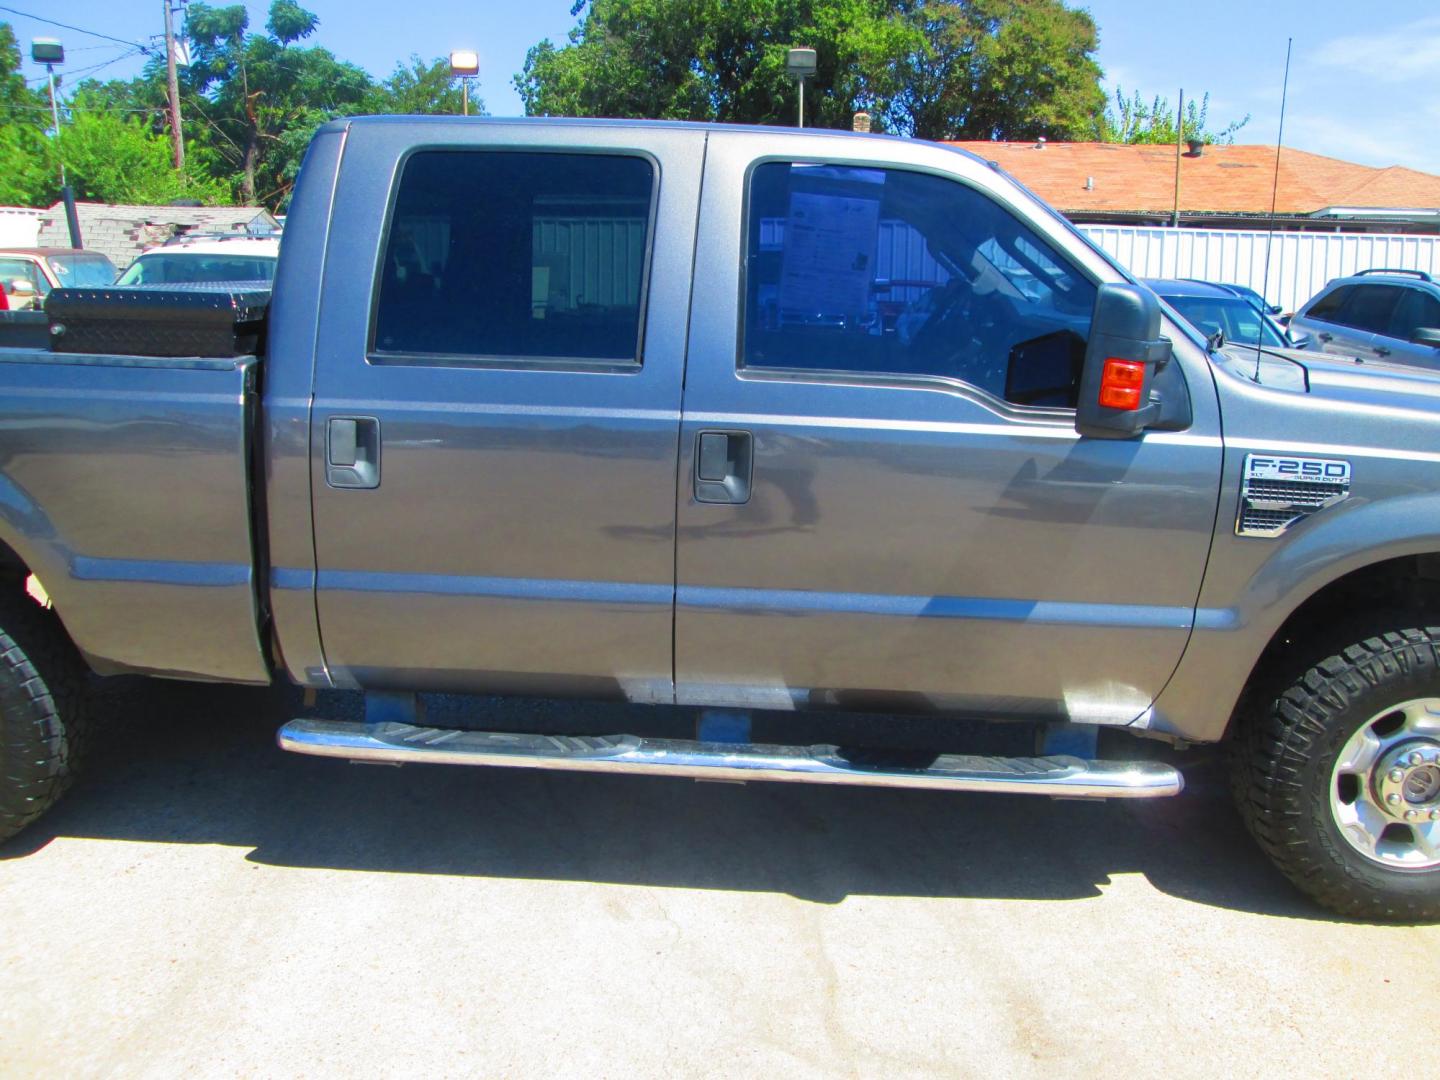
(1300, 262)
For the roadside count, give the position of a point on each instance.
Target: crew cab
(756, 420)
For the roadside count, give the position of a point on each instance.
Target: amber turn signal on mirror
(1121, 384)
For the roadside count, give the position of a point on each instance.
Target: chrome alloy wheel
(1385, 788)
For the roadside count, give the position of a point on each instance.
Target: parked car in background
(28, 274)
(1255, 298)
(209, 259)
(1391, 315)
(1212, 308)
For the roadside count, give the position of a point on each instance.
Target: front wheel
(1338, 778)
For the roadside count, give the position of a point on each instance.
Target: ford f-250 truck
(753, 420)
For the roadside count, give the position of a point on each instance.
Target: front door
(496, 407)
(884, 503)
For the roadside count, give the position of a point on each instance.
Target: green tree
(420, 88)
(26, 178)
(259, 97)
(118, 157)
(712, 60)
(996, 69)
(1132, 121)
(932, 68)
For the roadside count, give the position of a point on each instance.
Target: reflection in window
(892, 272)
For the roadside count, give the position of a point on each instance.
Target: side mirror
(22, 287)
(1283, 320)
(1124, 353)
(1426, 335)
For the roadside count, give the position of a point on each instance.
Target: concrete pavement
(205, 905)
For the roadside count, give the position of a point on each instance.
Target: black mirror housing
(1123, 354)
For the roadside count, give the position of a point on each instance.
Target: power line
(79, 30)
(88, 70)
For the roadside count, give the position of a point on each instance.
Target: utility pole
(1179, 140)
(177, 137)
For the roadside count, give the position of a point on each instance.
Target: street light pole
(464, 63)
(49, 51)
(800, 63)
(55, 119)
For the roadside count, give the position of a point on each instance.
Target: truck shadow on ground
(198, 765)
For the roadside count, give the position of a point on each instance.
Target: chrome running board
(397, 743)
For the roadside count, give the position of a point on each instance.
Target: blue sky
(1363, 83)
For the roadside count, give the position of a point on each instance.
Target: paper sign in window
(829, 257)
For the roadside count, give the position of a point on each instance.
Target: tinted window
(1416, 309)
(1370, 307)
(179, 268)
(516, 255)
(1329, 305)
(891, 272)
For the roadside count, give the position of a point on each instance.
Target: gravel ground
(206, 905)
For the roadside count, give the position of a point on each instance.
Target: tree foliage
(931, 68)
(418, 88)
(115, 156)
(25, 174)
(253, 92)
(1132, 121)
(996, 69)
(250, 103)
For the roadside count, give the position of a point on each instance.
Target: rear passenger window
(1328, 306)
(499, 255)
(888, 272)
(1371, 308)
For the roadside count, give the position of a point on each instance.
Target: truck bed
(125, 486)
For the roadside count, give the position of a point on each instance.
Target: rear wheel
(1338, 777)
(42, 702)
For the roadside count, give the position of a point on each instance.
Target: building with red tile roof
(1220, 186)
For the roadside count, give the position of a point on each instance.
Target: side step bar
(398, 743)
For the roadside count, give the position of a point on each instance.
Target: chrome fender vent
(1277, 492)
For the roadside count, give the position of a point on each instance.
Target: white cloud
(1410, 52)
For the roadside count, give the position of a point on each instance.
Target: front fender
(1254, 585)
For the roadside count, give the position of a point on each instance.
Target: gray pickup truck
(753, 420)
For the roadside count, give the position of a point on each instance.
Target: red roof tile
(1225, 179)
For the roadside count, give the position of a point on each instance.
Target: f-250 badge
(1279, 491)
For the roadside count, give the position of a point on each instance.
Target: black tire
(42, 710)
(1284, 752)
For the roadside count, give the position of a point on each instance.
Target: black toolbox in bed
(215, 320)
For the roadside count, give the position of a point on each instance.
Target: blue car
(1213, 308)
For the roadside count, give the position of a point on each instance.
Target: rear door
(496, 406)
(883, 500)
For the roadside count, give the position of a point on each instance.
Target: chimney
(1089, 183)
(1197, 147)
